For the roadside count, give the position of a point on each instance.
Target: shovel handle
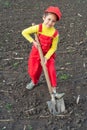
(43, 64)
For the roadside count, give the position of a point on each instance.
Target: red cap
(54, 10)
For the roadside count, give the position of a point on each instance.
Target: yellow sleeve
(28, 31)
(53, 47)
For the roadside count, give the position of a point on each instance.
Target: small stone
(49, 122)
(79, 15)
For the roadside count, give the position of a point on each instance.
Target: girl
(48, 37)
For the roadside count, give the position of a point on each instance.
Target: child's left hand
(45, 60)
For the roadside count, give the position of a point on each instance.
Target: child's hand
(35, 44)
(45, 60)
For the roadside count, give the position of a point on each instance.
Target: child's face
(50, 20)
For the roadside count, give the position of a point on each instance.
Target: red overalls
(34, 63)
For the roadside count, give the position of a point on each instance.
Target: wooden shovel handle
(43, 64)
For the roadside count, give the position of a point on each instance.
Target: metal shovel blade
(57, 107)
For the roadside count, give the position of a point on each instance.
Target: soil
(21, 109)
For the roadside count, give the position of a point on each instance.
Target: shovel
(55, 106)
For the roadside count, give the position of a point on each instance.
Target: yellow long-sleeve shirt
(45, 31)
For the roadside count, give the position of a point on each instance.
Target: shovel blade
(57, 107)
(51, 107)
(60, 105)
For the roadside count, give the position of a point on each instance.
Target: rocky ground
(21, 109)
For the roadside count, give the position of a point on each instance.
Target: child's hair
(47, 13)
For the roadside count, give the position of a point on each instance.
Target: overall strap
(40, 28)
(55, 33)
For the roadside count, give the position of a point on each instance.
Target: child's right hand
(35, 44)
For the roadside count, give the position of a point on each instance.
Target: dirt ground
(21, 109)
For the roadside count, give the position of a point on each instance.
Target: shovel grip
(43, 64)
